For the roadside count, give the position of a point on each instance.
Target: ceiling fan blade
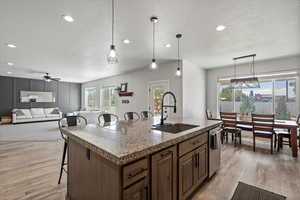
(55, 79)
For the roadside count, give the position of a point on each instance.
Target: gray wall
(263, 67)
(138, 83)
(67, 95)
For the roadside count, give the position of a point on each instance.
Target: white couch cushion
(37, 112)
(52, 112)
(27, 114)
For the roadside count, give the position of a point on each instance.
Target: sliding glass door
(285, 99)
(278, 96)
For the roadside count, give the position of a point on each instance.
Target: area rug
(40, 131)
(248, 192)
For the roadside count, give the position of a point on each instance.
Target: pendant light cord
(113, 20)
(234, 69)
(153, 45)
(178, 52)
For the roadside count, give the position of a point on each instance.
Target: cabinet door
(186, 175)
(164, 175)
(201, 165)
(137, 191)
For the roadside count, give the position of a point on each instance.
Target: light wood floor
(29, 171)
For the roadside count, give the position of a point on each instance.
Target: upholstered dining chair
(230, 126)
(67, 122)
(131, 116)
(107, 118)
(263, 126)
(146, 115)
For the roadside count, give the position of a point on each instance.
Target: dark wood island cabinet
(166, 167)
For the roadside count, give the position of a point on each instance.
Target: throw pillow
(55, 111)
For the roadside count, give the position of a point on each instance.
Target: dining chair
(208, 114)
(131, 116)
(107, 118)
(263, 126)
(230, 126)
(281, 134)
(67, 122)
(146, 115)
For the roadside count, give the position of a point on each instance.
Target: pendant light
(154, 20)
(178, 71)
(112, 56)
(248, 82)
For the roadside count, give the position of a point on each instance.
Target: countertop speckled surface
(130, 140)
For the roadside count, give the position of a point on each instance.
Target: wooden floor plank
(29, 171)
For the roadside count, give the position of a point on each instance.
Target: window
(108, 99)
(226, 98)
(278, 96)
(90, 98)
(255, 100)
(285, 99)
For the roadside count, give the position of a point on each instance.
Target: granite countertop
(130, 140)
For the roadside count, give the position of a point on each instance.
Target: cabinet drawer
(135, 171)
(137, 191)
(192, 143)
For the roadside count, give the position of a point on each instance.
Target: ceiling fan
(48, 78)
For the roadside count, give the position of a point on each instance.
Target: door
(186, 175)
(164, 175)
(201, 164)
(138, 191)
(156, 90)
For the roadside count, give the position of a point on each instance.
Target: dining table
(291, 125)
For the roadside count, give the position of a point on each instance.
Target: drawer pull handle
(164, 154)
(133, 174)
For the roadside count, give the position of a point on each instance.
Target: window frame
(100, 98)
(86, 98)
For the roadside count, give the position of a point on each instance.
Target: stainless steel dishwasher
(214, 151)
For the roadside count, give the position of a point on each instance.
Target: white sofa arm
(60, 115)
(14, 117)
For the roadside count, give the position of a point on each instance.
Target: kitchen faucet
(167, 106)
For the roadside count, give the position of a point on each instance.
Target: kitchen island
(132, 161)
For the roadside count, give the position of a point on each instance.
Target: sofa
(35, 115)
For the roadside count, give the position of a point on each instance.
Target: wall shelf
(125, 94)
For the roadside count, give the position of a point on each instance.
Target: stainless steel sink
(173, 128)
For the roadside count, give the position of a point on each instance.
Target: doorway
(156, 90)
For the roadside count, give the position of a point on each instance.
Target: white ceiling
(77, 51)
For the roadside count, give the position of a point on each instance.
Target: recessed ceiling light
(11, 45)
(168, 45)
(10, 64)
(68, 18)
(220, 28)
(9, 72)
(126, 41)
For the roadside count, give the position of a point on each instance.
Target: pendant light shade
(154, 20)
(153, 64)
(178, 71)
(245, 83)
(112, 55)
